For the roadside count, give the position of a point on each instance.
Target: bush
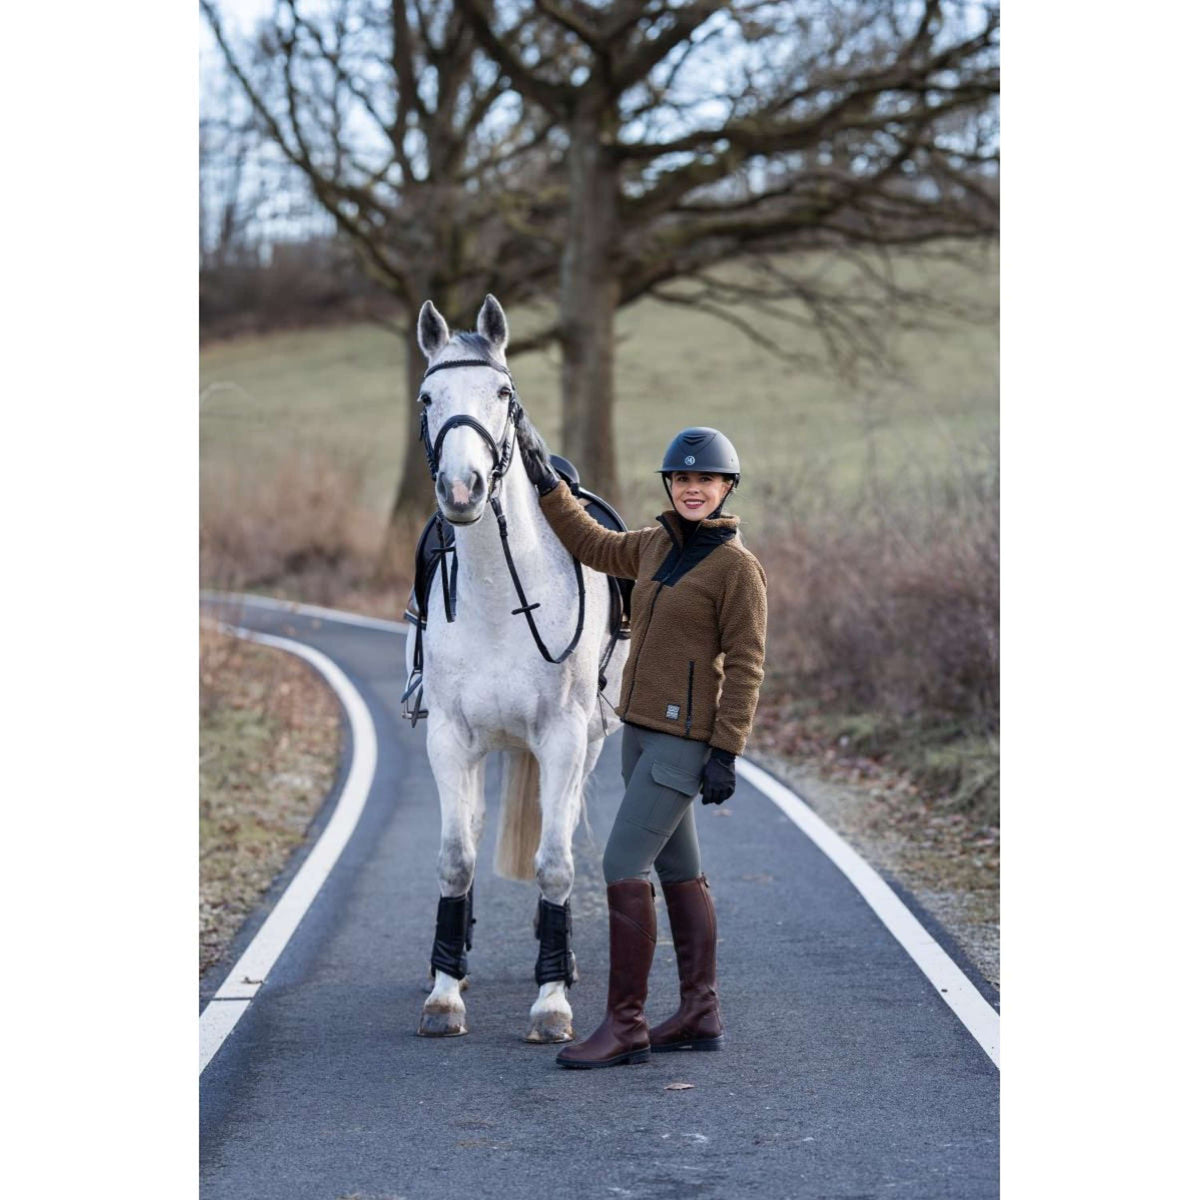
(287, 285)
(887, 605)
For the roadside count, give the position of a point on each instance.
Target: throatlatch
(452, 940)
(556, 960)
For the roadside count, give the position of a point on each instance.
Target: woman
(688, 695)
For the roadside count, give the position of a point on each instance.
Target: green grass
(952, 762)
(335, 392)
(339, 392)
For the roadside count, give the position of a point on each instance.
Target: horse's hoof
(442, 1023)
(553, 1027)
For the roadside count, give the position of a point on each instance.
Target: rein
(501, 460)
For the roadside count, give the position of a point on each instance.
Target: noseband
(501, 459)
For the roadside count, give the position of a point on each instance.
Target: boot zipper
(691, 671)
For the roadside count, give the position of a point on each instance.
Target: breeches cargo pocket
(675, 777)
(664, 803)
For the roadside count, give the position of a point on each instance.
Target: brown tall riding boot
(696, 1024)
(623, 1036)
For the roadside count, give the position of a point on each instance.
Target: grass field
(337, 394)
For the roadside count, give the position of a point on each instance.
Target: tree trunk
(588, 305)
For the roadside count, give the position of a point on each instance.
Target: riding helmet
(701, 449)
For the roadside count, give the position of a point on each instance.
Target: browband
(469, 362)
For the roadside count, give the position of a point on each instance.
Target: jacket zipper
(691, 671)
(653, 602)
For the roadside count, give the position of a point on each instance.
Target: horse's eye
(505, 393)
(424, 398)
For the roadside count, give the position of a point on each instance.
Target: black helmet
(702, 449)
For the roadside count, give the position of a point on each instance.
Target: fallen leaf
(678, 1087)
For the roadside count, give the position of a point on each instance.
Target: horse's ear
(432, 331)
(492, 324)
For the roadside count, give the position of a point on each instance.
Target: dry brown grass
(269, 738)
(298, 528)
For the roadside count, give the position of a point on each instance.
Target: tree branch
(552, 96)
(576, 25)
(641, 59)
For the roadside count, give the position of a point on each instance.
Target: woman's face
(695, 494)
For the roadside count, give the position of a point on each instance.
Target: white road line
(980, 1018)
(305, 610)
(233, 997)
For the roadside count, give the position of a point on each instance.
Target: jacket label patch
(672, 712)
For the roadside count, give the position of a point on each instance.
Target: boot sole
(706, 1044)
(634, 1056)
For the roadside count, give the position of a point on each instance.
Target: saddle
(436, 556)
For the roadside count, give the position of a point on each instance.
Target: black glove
(718, 780)
(535, 456)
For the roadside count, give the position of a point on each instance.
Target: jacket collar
(710, 533)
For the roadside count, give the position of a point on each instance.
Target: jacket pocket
(675, 777)
(691, 675)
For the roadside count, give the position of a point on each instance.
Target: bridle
(501, 455)
(501, 460)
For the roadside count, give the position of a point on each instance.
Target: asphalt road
(844, 1075)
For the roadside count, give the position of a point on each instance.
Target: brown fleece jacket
(699, 621)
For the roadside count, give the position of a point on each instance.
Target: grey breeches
(655, 826)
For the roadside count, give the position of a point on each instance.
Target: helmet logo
(691, 458)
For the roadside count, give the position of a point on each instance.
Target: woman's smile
(696, 494)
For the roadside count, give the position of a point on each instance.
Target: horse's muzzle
(461, 501)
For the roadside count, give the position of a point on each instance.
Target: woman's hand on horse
(535, 456)
(719, 779)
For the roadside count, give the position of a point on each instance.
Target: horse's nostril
(476, 483)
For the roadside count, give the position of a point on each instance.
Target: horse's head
(468, 405)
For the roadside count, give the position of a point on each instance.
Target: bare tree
(255, 212)
(433, 169)
(699, 132)
(231, 179)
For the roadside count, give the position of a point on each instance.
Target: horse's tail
(520, 816)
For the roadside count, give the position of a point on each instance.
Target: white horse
(488, 687)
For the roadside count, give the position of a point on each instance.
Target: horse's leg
(561, 759)
(460, 792)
